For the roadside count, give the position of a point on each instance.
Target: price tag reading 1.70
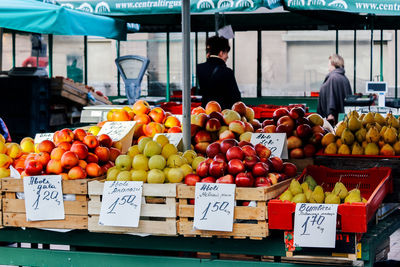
(43, 198)
(214, 206)
(121, 203)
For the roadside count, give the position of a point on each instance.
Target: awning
(125, 7)
(377, 7)
(39, 17)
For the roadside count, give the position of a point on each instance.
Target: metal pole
(337, 41)
(13, 49)
(196, 51)
(167, 93)
(118, 74)
(50, 55)
(186, 73)
(233, 55)
(371, 54)
(381, 63)
(85, 58)
(216, 20)
(259, 52)
(1, 49)
(395, 64)
(355, 62)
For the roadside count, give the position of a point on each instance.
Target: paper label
(214, 206)
(174, 138)
(276, 142)
(121, 203)
(43, 136)
(117, 129)
(43, 198)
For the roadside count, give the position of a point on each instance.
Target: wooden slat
(70, 222)
(70, 207)
(68, 186)
(150, 190)
(145, 227)
(241, 213)
(185, 191)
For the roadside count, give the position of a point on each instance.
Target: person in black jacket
(217, 82)
(334, 90)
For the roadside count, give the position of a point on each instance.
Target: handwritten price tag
(43, 198)
(43, 136)
(121, 203)
(174, 138)
(214, 206)
(117, 129)
(315, 225)
(276, 142)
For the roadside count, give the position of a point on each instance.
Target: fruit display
(72, 154)
(241, 163)
(310, 192)
(366, 134)
(154, 161)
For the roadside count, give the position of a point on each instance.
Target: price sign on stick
(43, 136)
(43, 198)
(315, 225)
(214, 206)
(276, 142)
(117, 129)
(174, 138)
(121, 203)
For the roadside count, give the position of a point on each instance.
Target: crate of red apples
(371, 185)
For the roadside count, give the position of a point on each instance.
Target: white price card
(174, 138)
(315, 225)
(44, 198)
(121, 203)
(276, 142)
(117, 129)
(43, 136)
(214, 207)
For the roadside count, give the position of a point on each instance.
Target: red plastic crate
(321, 153)
(265, 111)
(176, 107)
(374, 185)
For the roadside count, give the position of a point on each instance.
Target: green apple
(175, 161)
(140, 162)
(168, 150)
(123, 162)
(124, 176)
(133, 151)
(197, 161)
(190, 155)
(175, 175)
(157, 162)
(152, 148)
(142, 143)
(112, 173)
(155, 176)
(139, 175)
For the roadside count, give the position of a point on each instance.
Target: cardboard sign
(43, 136)
(117, 130)
(276, 142)
(121, 203)
(43, 198)
(174, 138)
(315, 225)
(214, 206)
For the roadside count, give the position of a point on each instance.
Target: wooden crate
(76, 212)
(249, 222)
(67, 89)
(158, 213)
(334, 260)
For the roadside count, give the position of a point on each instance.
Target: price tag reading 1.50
(43, 198)
(121, 203)
(214, 206)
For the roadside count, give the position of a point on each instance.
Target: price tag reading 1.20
(214, 207)
(315, 225)
(43, 198)
(121, 203)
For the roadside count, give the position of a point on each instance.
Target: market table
(114, 249)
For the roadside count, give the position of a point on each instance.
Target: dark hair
(216, 44)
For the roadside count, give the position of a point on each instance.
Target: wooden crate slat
(150, 190)
(70, 222)
(68, 186)
(167, 227)
(279, 188)
(70, 207)
(241, 213)
(239, 230)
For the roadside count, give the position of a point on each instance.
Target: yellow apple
(197, 161)
(133, 151)
(94, 130)
(139, 175)
(168, 150)
(140, 162)
(187, 169)
(142, 143)
(112, 173)
(4, 172)
(189, 155)
(175, 161)
(155, 176)
(13, 150)
(3, 148)
(162, 140)
(5, 161)
(157, 162)
(175, 175)
(124, 176)
(27, 145)
(152, 148)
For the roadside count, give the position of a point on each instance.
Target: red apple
(202, 136)
(227, 134)
(226, 144)
(294, 142)
(213, 125)
(260, 169)
(91, 141)
(303, 120)
(114, 153)
(208, 179)
(43, 158)
(217, 115)
(65, 145)
(262, 181)
(191, 179)
(54, 167)
(81, 150)
(280, 112)
(234, 152)
(219, 157)
(297, 112)
(240, 108)
(46, 146)
(296, 153)
(304, 131)
(103, 153)
(277, 164)
(286, 120)
(33, 167)
(217, 168)
(249, 150)
(255, 123)
(235, 166)
(157, 114)
(248, 127)
(250, 161)
(245, 143)
(237, 126)
(69, 159)
(309, 150)
(316, 139)
(244, 179)
(199, 119)
(273, 178)
(262, 151)
(289, 169)
(194, 129)
(267, 122)
(213, 149)
(269, 129)
(93, 170)
(202, 169)
(318, 129)
(77, 172)
(92, 158)
(79, 134)
(201, 147)
(227, 179)
(212, 106)
(105, 140)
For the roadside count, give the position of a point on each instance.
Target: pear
(317, 195)
(387, 150)
(356, 149)
(364, 200)
(396, 147)
(308, 194)
(353, 196)
(340, 190)
(311, 182)
(339, 128)
(371, 149)
(287, 195)
(347, 137)
(327, 139)
(353, 113)
(344, 150)
(354, 124)
(295, 187)
(372, 135)
(382, 131)
(379, 119)
(392, 121)
(299, 198)
(327, 193)
(361, 117)
(304, 186)
(361, 135)
(332, 199)
(339, 142)
(331, 149)
(369, 118)
(390, 135)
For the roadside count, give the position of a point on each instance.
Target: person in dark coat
(217, 82)
(334, 90)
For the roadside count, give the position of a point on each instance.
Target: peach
(212, 106)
